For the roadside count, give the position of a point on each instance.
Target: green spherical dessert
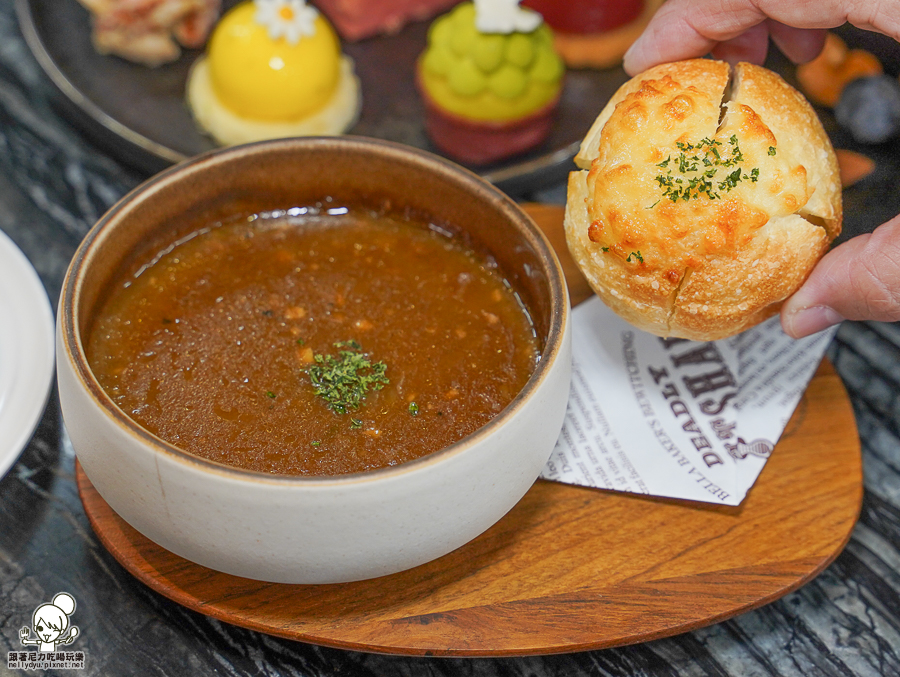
(487, 95)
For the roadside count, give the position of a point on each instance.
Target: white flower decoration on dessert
(504, 16)
(290, 19)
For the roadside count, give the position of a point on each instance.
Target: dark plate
(138, 114)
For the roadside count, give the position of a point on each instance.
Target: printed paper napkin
(677, 418)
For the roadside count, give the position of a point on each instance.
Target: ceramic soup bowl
(301, 529)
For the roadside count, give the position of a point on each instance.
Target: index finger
(684, 29)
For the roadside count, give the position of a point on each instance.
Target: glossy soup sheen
(209, 344)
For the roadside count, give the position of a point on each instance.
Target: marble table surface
(54, 185)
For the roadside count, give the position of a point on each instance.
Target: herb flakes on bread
(706, 196)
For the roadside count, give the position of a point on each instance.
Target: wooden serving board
(569, 568)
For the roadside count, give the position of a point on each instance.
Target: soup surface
(313, 342)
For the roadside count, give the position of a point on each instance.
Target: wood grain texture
(569, 568)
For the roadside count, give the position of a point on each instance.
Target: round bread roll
(707, 196)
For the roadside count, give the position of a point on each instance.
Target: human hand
(857, 280)
(738, 30)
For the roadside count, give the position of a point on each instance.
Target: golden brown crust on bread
(707, 198)
(800, 136)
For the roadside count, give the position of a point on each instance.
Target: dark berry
(869, 108)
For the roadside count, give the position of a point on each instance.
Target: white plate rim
(27, 353)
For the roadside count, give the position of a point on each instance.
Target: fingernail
(810, 320)
(629, 56)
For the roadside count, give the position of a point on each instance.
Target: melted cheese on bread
(705, 199)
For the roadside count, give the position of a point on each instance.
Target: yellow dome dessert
(273, 68)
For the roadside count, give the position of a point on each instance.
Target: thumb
(857, 280)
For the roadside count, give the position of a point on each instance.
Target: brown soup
(215, 343)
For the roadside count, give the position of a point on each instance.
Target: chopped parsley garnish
(355, 423)
(695, 170)
(344, 381)
(269, 393)
(636, 255)
(736, 155)
(771, 150)
(731, 180)
(413, 408)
